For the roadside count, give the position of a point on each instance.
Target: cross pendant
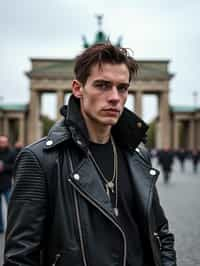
(107, 190)
(110, 185)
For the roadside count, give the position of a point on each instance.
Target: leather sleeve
(26, 212)
(165, 238)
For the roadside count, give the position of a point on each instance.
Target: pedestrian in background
(165, 159)
(182, 155)
(17, 147)
(195, 157)
(6, 170)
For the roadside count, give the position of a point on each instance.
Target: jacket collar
(128, 132)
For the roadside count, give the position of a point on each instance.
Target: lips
(112, 111)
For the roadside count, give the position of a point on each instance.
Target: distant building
(13, 122)
(185, 127)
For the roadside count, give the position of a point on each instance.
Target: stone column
(21, 137)
(191, 134)
(60, 101)
(164, 120)
(158, 141)
(176, 133)
(34, 131)
(138, 103)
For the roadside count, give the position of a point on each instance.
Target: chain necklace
(110, 185)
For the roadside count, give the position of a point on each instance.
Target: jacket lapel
(144, 178)
(86, 178)
(88, 181)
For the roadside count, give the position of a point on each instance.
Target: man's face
(3, 142)
(103, 96)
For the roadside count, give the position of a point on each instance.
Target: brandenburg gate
(55, 76)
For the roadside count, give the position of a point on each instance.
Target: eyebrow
(110, 82)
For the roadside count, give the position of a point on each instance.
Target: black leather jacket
(59, 213)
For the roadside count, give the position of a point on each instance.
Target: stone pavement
(181, 202)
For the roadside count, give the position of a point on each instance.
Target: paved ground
(181, 201)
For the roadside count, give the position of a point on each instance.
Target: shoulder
(36, 147)
(30, 153)
(34, 150)
(44, 159)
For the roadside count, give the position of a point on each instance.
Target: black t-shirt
(103, 155)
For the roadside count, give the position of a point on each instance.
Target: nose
(114, 95)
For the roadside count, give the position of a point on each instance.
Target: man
(182, 156)
(6, 167)
(17, 147)
(86, 195)
(166, 159)
(195, 157)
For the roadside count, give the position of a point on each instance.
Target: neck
(98, 133)
(101, 139)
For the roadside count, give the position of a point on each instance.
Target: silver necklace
(110, 185)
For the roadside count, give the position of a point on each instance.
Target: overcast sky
(53, 29)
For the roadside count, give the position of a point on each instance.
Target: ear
(76, 88)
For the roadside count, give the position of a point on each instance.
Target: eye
(122, 88)
(103, 85)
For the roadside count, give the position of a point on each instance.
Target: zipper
(154, 238)
(78, 216)
(99, 208)
(105, 214)
(158, 240)
(58, 256)
(152, 234)
(79, 227)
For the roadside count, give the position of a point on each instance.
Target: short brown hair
(103, 53)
